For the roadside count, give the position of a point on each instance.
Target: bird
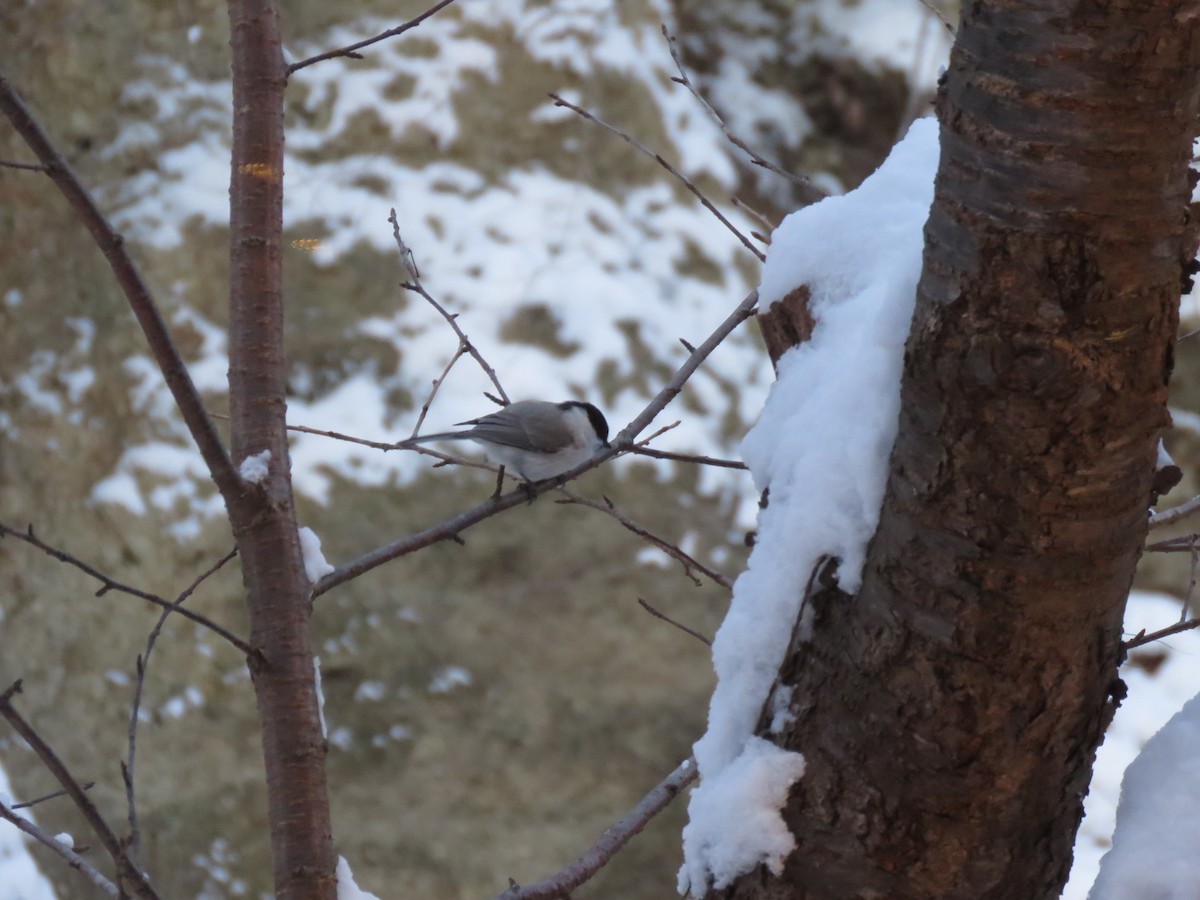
(537, 439)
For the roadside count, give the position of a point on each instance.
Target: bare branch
(109, 584)
(142, 662)
(464, 342)
(112, 245)
(352, 50)
(690, 563)
(73, 859)
(622, 443)
(661, 615)
(812, 192)
(683, 179)
(557, 885)
(129, 875)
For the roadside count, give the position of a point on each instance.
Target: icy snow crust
(821, 446)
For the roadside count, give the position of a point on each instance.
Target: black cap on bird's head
(599, 423)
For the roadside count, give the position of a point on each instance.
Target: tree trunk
(264, 519)
(949, 714)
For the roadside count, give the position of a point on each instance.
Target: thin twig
(622, 443)
(53, 795)
(753, 213)
(799, 180)
(616, 837)
(437, 383)
(690, 458)
(73, 859)
(28, 167)
(1181, 544)
(661, 615)
(1187, 596)
(130, 877)
(685, 559)
(660, 432)
(352, 50)
(109, 584)
(143, 660)
(414, 284)
(941, 15)
(683, 179)
(158, 337)
(1142, 638)
(1175, 513)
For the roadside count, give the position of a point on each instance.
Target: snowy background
(575, 266)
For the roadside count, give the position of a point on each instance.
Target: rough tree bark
(263, 516)
(949, 713)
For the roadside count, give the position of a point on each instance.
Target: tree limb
(112, 245)
(110, 584)
(129, 875)
(73, 859)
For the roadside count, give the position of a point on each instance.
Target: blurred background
(492, 707)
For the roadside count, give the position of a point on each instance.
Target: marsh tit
(534, 438)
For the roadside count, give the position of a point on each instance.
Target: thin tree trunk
(264, 520)
(949, 714)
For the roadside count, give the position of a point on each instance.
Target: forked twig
(464, 343)
(683, 179)
(558, 885)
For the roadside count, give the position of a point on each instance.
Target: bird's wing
(518, 424)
